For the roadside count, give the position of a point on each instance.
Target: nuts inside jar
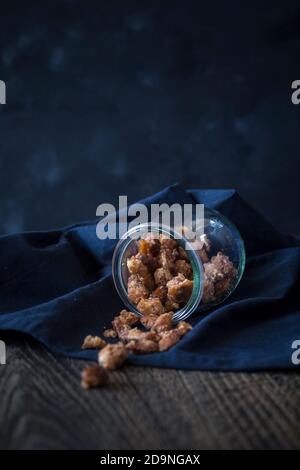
(160, 275)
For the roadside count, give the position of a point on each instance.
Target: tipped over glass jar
(157, 269)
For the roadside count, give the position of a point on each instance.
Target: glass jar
(217, 262)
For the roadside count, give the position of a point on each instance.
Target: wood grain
(43, 406)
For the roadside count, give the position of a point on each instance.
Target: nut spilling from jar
(160, 282)
(135, 335)
(161, 276)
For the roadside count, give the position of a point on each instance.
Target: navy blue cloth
(57, 287)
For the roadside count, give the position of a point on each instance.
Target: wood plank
(43, 406)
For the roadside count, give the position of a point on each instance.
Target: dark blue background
(125, 97)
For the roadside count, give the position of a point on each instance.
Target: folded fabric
(57, 287)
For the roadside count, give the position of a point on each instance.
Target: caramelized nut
(94, 376)
(223, 286)
(162, 276)
(208, 295)
(135, 334)
(137, 267)
(110, 333)
(112, 356)
(171, 306)
(142, 346)
(150, 306)
(163, 322)
(160, 293)
(91, 342)
(148, 320)
(168, 339)
(212, 272)
(182, 254)
(136, 289)
(167, 258)
(180, 289)
(183, 327)
(128, 318)
(149, 245)
(223, 264)
(183, 267)
(123, 322)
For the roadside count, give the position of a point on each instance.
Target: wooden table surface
(42, 406)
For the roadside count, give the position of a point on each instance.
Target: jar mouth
(119, 267)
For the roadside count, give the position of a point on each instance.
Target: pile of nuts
(157, 333)
(161, 276)
(160, 282)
